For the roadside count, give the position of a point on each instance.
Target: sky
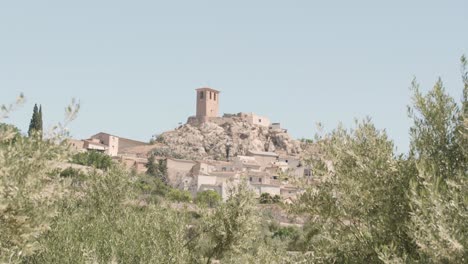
(134, 65)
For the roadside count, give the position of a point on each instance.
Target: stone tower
(207, 104)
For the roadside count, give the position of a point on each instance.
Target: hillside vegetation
(371, 206)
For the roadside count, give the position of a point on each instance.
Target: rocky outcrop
(214, 140)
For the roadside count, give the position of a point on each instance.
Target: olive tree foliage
(231, 233)
(94, 159)
(372, 206)
(208, 198)
(29, 193)
(359, 207)
(10, 133)
(105, 221)
(439, 193)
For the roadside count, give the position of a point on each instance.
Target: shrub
(71, 173)
(149, 185)
(94, 159)
(266, 198)
(209, 198)
(179, 196)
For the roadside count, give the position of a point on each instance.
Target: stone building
(177, 172)
(106, 143)
(265, 159)
(260, 170)
(92, 144)
(207, 104)
(76, 145)
(255, 119)
(108, 140)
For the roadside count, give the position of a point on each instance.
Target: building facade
(207, 104)
(112, 143)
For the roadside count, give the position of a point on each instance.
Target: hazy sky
(134, 65)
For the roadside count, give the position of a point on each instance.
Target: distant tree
(265, 198)
(35, 126)
(40, 123)
(276, 199)
(93, 158)
(151, 166)
(33, 122)
(177, 195)
(150, 185)
(157, 169)
(208, 198)
(162, 165)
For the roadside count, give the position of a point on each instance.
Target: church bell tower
(207, 104)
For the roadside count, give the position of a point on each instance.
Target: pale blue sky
(135, 64)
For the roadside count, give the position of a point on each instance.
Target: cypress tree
(162, 170)
(152, 167)
(157, 169)
(40, 123)
(35, 126)
(34, 121)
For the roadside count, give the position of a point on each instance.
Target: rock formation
(222, 137)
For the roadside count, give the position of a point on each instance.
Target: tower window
(202, 95)
(211, 94)
(215, 96)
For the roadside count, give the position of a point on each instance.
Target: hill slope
(211, 140)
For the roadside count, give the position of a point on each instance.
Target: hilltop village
(213, 152)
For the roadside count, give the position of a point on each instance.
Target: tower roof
(208, 89)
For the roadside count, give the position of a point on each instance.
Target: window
(202, 95)
(251, 179)
(259, 120)
(215, 96)
(275, 177)
(260, 180)
(211, 94)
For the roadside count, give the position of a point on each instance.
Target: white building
(261, 170)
